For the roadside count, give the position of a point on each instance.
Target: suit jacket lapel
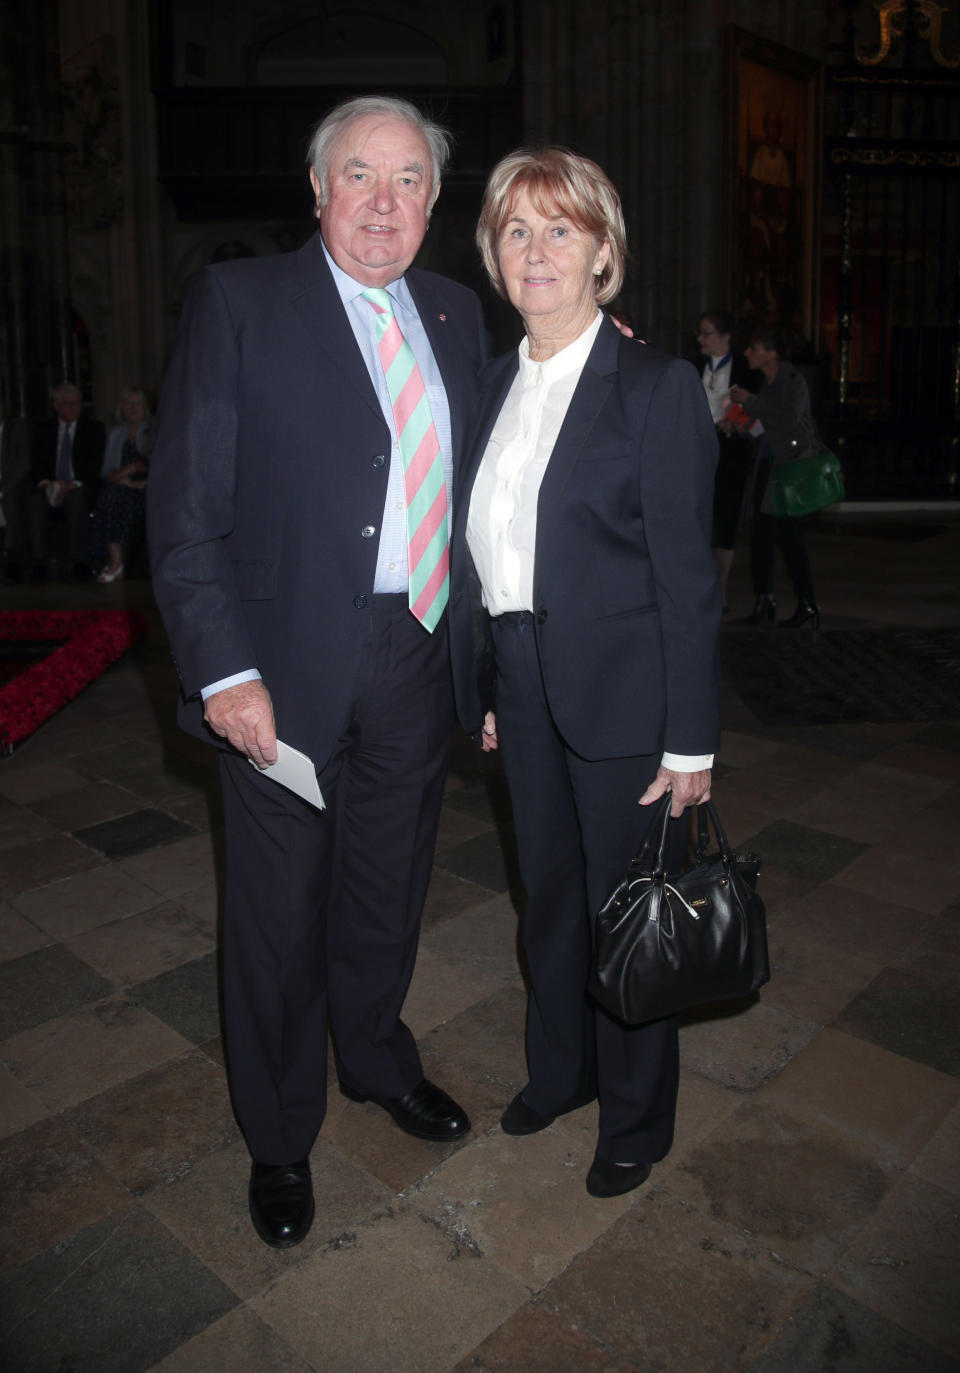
(593, 388)
(317, 302)
(497, 382)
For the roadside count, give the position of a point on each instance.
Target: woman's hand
(688, 788)
(740, 394)
(488, 735)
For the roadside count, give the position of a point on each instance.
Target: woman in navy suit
(582, 551)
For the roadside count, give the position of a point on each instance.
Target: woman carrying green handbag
(788, 435)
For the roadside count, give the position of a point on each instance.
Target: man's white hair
(330, 128)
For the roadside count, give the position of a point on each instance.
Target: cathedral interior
(794, 164)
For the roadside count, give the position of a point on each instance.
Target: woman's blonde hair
(555, 179)
(132, 393)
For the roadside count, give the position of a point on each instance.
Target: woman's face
(132, 409)
(758, 356)
(712, 343)
(548, 265)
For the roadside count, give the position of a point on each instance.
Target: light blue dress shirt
(391, 573)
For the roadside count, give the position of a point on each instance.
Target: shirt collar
(569, 359)
(350, 289)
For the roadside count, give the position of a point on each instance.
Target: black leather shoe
(613, 1179)
(806, 610)
(521, 1119)
(764, 611)
(281, 1202)
(426, 1112)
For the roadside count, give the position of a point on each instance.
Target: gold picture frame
(773, 184)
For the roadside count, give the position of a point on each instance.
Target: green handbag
(801, 487)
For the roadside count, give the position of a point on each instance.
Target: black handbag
(664, 943)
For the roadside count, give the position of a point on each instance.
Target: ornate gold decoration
(889, 157)
(892, 16)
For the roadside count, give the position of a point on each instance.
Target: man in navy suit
(67, 457)
(279, 542)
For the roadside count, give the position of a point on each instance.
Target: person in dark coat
(299, 547)
(582, 538)
(782, 407)
(67, 458)
(724, 368)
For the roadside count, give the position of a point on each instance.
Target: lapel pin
(443, 319)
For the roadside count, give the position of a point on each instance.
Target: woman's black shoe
(613, 1179)
(764, 611)
(806, 610)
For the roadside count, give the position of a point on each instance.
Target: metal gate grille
(891, 268)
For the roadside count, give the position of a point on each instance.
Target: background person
(584, 517)
(14, 492)
(783, 408)
(722, 369)
(67, 457)
(298, 528)
(120, 513)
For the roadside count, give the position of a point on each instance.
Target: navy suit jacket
(271, 457)
(625, 597)
(89, 440)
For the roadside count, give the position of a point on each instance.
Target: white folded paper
(295, 771)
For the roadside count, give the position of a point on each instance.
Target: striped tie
(428, 552)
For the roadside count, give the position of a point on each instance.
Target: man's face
(68, 408)
(379, 198)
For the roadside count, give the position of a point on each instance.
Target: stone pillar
(116, 204)
(35, 316)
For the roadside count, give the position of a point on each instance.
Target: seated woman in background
(118, 517)
(782, 406)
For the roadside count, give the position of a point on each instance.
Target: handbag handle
(656, 835)
(705, 809)
(657, 830)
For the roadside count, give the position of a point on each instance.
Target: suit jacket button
(360, 602)
(379, 460)
(541, 616)
(368, 531)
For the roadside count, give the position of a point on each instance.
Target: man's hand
(740, 394)
(488, 735)
(243, 715)
(689, 789)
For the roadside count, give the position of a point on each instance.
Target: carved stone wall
(35, 324)
(118, 276)
(639, 85)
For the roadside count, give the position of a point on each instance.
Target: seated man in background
(67, 457)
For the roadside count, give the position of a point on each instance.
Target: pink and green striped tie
(428, 551)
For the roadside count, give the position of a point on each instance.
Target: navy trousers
(578, 825)
(323, 907)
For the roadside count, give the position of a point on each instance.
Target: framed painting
(775, 99)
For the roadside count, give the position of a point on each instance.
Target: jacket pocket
(256, 578)
(626, 614)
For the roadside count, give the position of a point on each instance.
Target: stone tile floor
(808, 1217)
